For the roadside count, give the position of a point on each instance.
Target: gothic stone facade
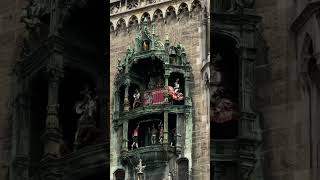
(176, 22)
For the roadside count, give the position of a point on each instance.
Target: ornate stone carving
(131, 4)
(31, 16)
(114, 9)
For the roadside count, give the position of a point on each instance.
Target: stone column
(179, 129)
(52, 135)
(126, 97)
(54, 18)
(165, 127)
(166, 83)
(187, 88)
(166, 80)
(125, 136)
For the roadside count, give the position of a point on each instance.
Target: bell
(145, 46)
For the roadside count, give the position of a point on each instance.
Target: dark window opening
(39, 102)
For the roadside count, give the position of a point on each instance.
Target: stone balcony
(88, 161)
(225, 150)
(150, 109)
(150, 154)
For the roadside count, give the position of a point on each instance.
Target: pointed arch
(196, 5)
(170, 13)
(121, 24)
(306, 55)
(133, 21)
(183, 9)
(145, 16)
(157, 15)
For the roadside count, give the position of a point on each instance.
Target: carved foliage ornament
(32, 14)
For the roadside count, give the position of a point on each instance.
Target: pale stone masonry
(188, 30)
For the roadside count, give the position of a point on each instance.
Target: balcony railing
(153, 97)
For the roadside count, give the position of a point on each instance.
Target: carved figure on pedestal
(140, 168)
(135, 136)
(161, 134)
(154, 132)
(86, 123)
(149, 98)
(137, 101)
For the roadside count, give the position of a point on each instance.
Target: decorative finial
(153, 29)
(167, 37)
(139, 167)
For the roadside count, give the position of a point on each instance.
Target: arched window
(145, 17)
(196, 5)
(170, 13)
(121, 24)
(158, 15)
(183, 9)
(133, 21)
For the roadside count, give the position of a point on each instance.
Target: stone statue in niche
(149, 98)
(87, 109)
(153, 132)
(135, 136)
(161, 134)
(136, 99)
